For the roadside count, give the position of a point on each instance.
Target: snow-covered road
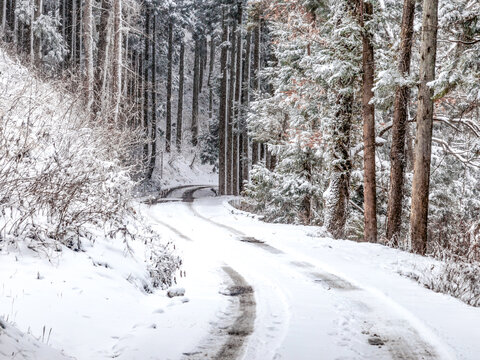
(313, 298)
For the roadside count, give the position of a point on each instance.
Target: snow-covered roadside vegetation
(69, 229)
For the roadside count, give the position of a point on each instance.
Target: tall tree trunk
(88, 40)
(153, 133)
(222, 113)
(80, 40)
(102, 55)
(196, 90)
(337, 195)
(245, 104)
(370, 197)
(307, 199)
(400, 115)
(4, 18)
(238, 93)
(146, 87)
(15, 23)
(256, 68)
(168, 131)
(423, 140)
(202, 61)
(73, 33)
(181, 79)
(37, 41)
(117, 57)
(210, 75)
(31, 32)
(230, 111)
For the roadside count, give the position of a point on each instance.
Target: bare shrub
(63, 175)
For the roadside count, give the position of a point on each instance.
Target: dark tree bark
(78, 34)
(37, 42)
(3, 21)
(370, 197)
(222, 116)
(168, 132)
(102, 46)
(336, 201)
(202, 62)
(196, 89)
(423, 140)
(181, 79)
(210, 74)
(400, 115)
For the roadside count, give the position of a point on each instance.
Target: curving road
(284, 307)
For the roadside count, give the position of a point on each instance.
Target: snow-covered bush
(65, 179)
(456, 278)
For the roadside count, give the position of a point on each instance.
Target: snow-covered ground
(252, 291)
(317, 297)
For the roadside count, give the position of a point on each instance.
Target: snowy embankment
(79, 271)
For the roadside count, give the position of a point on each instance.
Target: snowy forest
(239, 179)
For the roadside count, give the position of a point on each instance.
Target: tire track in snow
(243, 306)
(398, 336)
(242, 236)
(235, 329)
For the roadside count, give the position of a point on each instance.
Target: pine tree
(370, 188)
(88, 39)
(168, 133)
(399, 128)
(181, 76)
(423, 140)
(222, 116)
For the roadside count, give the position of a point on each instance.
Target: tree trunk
(256, 80)
(146, 67)
(222, 115)
(37, 41)
(117, 57)
(245, 104)
(238, 93)
(4, 18)
(230, 112)
(196, 89)
(181, 79)
(102, 56)
(168, 131)
(210, 74)
(423, 140)
(30, 30)
(73, 33)
(337, 194)
(202, 61)
(88, 40)
(153, 132)
(400, 115)
(370, 197)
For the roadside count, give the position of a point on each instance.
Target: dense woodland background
(360, 116)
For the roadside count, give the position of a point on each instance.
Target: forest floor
(286, 292)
